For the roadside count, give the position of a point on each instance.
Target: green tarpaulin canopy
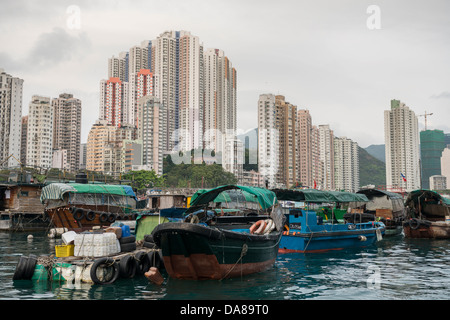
(422, 194)
(318, 196)
(56, 191)
(264, 197)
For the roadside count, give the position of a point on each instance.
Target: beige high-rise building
(151, 129)
(401, 132)
(304, 149)
(67, 128)
(220, 99)
(317, 163)
(100, 136)
(10, 119)
(40, 132)
(277, 159)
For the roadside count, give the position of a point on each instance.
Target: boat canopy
(318, 196)
(431, 196)
(378, 192)
(56, 191)
(264, 197)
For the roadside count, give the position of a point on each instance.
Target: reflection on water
(394, 268)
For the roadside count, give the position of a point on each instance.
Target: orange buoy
(259, 226)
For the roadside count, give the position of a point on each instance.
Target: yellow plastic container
(64, 250)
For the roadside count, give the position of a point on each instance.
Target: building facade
(346, 164)
(40, 133)
(326, 151)
(401, 131)
(67, 128)
(10, 119)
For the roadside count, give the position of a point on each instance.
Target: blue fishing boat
(305, 231)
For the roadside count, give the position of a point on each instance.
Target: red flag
(315, 185)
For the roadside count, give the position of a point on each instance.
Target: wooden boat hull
(425, 229)
(193, 251)
(63, 217)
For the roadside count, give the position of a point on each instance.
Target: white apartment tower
(10, 118)
(67, 129)
(346, 164)
(401, 132)
(40, 132)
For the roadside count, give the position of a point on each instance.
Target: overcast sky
(340, 59)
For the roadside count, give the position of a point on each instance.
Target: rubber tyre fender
(103, 217)
(29, 269)
(20, 268)
(127, 267)
(143, 262)
(111, 217)
(90, 215)
(155, 259)
(150, 245)
(148, 238)
(78, 214)
(127, 247)
(414, 223)
(129, 239)
(108, 262)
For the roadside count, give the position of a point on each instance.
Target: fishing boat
(223, 235)
(428, 215)
(388, 207)
(79, 206)
(306, 232)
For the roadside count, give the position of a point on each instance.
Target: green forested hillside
(371, 170)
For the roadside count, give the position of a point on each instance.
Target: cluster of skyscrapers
(414, 160)
(164, 96)
(294, 152)
(48, 137)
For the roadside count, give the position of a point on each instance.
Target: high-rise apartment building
(40, 132)
(100, 135)
(67, 128)
(118, 67)
(346, 164)
(141, 84)
(151, 131)
(220, 99)
(445, 163)
(401, 132)
(431, 146)
(23, 143)
(326, 149)
(317, 163)
(277, 140)
(304, 149)
(114, 102)
(10, 118)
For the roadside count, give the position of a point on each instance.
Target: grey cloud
(442, 95)
(50, 49)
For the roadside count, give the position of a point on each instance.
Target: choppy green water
(394, 268)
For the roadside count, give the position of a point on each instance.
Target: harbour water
(395, 268)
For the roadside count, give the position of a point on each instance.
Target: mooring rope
(243, 253)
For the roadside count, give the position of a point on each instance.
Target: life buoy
(270, 226)
(258, 227)
(78, 214)
(105, 262)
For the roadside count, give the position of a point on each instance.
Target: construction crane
(425, 115)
